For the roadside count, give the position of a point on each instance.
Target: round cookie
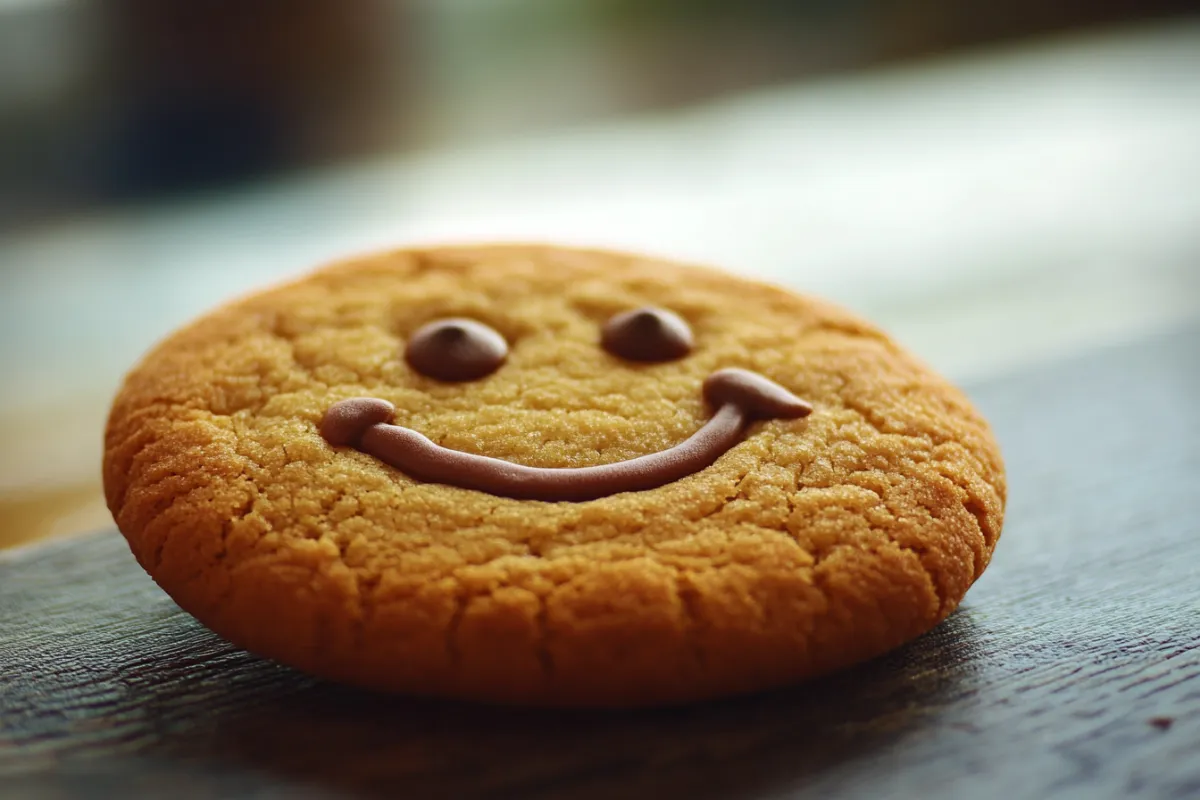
(804, 494)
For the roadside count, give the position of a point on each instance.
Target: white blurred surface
(989, 211)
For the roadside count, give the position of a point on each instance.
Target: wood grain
(1073, 668)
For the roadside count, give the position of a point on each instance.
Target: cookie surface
(808, 544)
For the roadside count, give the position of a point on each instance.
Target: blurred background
(998, 183)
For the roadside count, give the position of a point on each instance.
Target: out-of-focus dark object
(131, 99)
(216, 91)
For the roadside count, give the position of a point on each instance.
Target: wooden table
(1072, 669)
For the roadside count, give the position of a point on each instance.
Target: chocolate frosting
(738, 395)
(456, 350)
(647, 334)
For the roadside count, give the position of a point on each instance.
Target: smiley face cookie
(551, 476)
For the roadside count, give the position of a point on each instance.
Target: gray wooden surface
(1072, 670)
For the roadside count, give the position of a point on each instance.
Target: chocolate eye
(647, 334)
(456, 350)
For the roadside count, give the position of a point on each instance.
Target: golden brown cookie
(733, 542)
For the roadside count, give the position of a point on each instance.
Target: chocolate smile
(739, 397)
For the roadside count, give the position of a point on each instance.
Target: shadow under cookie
(174, 706)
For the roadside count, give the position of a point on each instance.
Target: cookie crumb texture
(811, 545)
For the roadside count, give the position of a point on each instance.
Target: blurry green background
(123, 100)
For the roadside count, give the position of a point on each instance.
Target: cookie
(550, 476)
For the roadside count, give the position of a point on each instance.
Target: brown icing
(738, 395)
(456, 350)
(762, 397)
(344, 422)
(647, 334)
